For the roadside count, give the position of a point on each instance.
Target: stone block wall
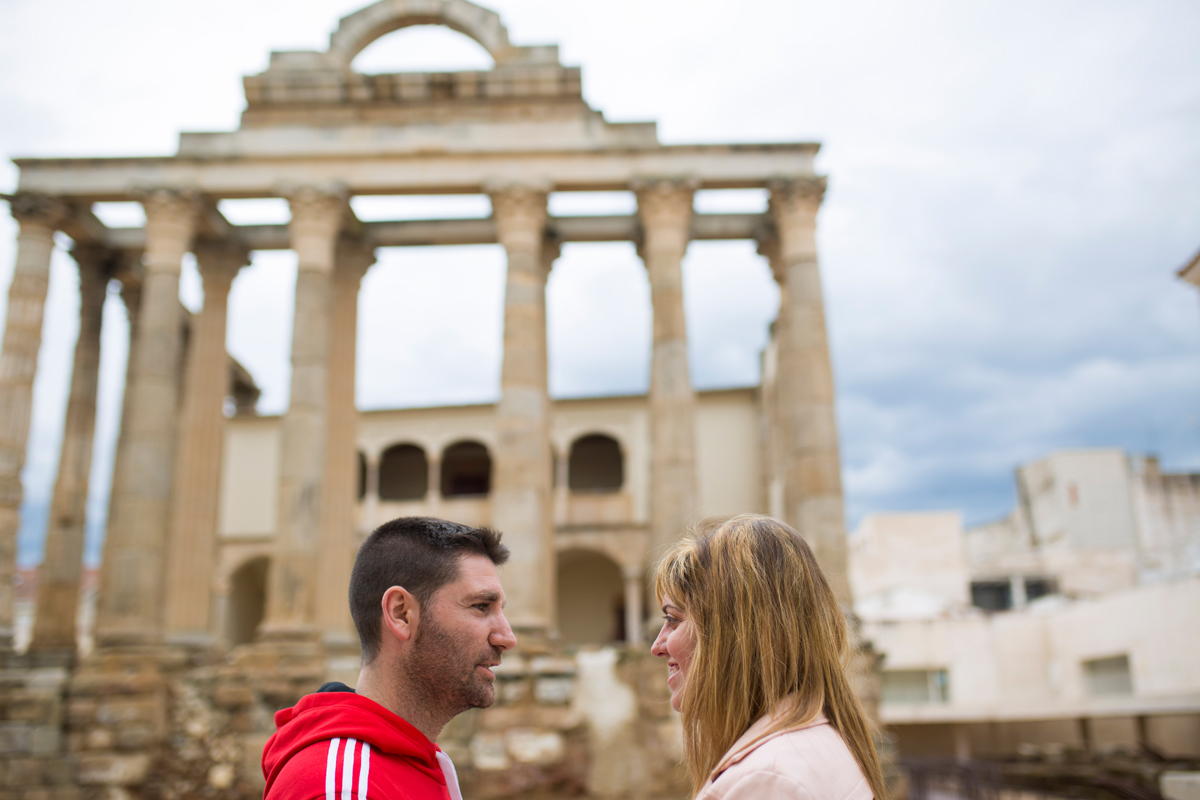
(168, 723)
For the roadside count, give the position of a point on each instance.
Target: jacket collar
(756, 736)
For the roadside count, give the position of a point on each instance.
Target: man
(428, 606)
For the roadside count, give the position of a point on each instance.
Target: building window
(916, 686)
(1039, 587)
(991, 595)
(1108, 676)
(403, 473)
(466, 470)
(595, 465)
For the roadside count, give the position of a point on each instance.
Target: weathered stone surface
(534, 746)
(113, 769)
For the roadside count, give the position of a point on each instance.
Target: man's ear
(401, 613)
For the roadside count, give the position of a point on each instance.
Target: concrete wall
(912, 562)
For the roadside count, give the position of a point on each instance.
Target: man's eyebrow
(486, 596)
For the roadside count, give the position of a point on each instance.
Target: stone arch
(596, 463)
(403, 473)
(246, 604)
(591, 597)
(356, 31)
(466, 469)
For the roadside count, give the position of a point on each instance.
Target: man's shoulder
(340, 766)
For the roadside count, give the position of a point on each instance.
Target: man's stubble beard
(442, 675)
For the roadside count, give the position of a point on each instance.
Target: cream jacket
(810, 762)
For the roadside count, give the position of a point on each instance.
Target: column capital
(96, 258)
(354, 257)
(551, 250)
(171, 217)
(32, 208)
(791, 197)
(768, 248)
(665, 203)
(317, 217)
(519, 211)
(220, 263)
(314, 206)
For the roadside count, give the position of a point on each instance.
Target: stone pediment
(528, 100)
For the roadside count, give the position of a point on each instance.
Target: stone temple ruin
(230, 539)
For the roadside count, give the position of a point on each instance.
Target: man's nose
(504, 638)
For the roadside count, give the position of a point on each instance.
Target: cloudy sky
(1012, 188)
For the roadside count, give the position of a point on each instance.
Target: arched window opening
(591, 598)
(422, 48)
(403, 473)
(362, 475)
(466, 470)
(596, 464)
(247, 601)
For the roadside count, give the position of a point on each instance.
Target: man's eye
(483, 606)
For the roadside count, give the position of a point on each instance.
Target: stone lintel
(422, 233)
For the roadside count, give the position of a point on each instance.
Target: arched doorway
(247, 601)
(591, 598)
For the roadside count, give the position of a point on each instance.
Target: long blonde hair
(767, 628)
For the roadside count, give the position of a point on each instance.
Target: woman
(756, 647)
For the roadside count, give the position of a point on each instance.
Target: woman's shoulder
(812, 763)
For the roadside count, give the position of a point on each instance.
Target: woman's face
(675, 643)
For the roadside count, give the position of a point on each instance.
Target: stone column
(337, 547)
(62, 565)
(562, 488)
(521, 489)
(291, 586)
(192, 538)
(371, 495)
(808, 438)
(633, 609)
(130, 606)
(433, 492)
(38, 218)
(665, 209)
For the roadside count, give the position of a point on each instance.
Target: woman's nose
(659, 648)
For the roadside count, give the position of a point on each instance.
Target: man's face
(460, 636)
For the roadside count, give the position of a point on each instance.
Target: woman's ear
(401, 614)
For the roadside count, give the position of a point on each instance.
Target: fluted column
(337, 545)
(38, 217)
(62, 564)
(665, 209)
(808, 439)
(191, 551)
(521, 489)
(291, 586)
(130, 607)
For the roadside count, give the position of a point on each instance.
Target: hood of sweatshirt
(344, 714)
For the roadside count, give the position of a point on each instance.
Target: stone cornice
(597, 169)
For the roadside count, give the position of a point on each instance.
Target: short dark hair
(420, 554)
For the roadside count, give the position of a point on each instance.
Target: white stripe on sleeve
(451, 776)
(331, 770)
(363, 770)
(348, 769)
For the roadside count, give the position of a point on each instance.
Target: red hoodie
(337, 745)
